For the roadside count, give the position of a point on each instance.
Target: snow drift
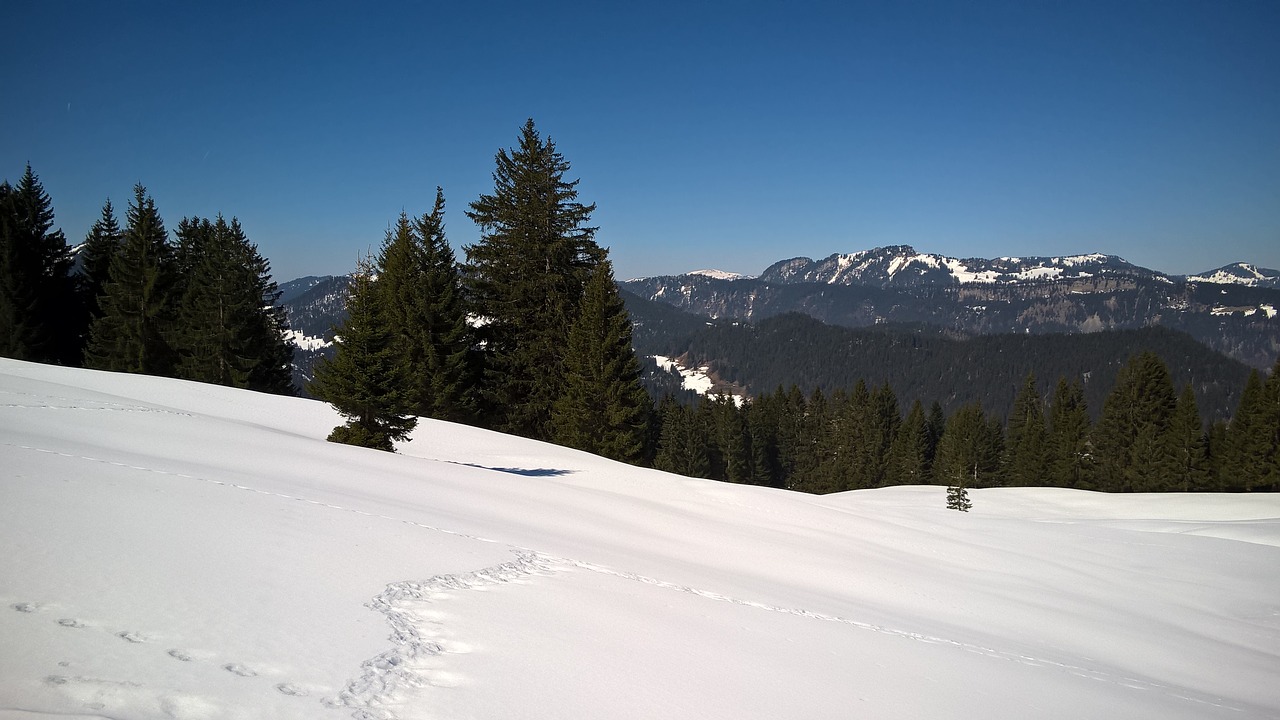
(177, 550)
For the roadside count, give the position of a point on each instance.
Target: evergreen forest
(528, 333)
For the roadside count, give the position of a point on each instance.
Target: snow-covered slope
(176, 550)
(1240, 274)
(902, 266)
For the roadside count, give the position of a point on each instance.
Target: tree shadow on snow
(527, 472)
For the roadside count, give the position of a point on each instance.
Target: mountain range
(1231, 309)
(694, 318)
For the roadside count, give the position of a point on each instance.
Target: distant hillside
(926, 363)
(1233, 310)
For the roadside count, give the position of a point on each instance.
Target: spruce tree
(1068, 448)
(1131, 438)
(39, 307)
(958, 498)
(525, 278)
(102, 243)
(1189, 444)
(682, 448)
(908, 463)
(603, 408)
(229, 330)
(421, 289)
(1244, 466)
(365, 381)
(137, 303)
(1025, 460)
(968, 452)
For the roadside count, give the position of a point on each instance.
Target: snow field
(176, 550)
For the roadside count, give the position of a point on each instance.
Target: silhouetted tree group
(528, 336)
(130, 299)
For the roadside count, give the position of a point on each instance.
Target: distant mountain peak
(1239, 273)
(903, 266)
(720, 274)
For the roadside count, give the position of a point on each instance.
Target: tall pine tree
(603, 407)
(137, 304)
(1132, 437)
(1069, 461)
(420, 287)
(525, 278)
(1025, 460)
(39, 308)
(102, 243)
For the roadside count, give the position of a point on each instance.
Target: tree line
(131, 299)
(1149, 438)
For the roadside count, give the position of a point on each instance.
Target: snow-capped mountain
(903, 266)
(1239, 274)
(1231, 310)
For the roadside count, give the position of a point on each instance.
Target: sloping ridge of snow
(179, 550)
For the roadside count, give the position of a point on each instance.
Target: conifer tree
(958, 498)
(1244, 466)
(525, 278)
(137, 303)
(681, 448)
(421, 289)
(1025, 459)
(1189, 444)
(968, 455)
(38, 303)
(603, 408)
(365, 380)
(102, 243)
(229, 330)
(1131, 438)
(907, 464)
(1068, 449)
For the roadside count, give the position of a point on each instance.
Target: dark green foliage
(102, 243)
(1026, 452)
(525, 278)
(908, 462)
(1132, 438)
(365, 380)
(922, 363)
(229, 330)
(682, 448)
(1069, 459)
(1249, 448)
(603, 408)
(137, 304)
(1189, 445)
(969, 451)
(958, 498)
(420, 288)
(40, 317)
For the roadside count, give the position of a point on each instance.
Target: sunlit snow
(178, 550)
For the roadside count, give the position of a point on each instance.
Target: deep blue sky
(709, 135)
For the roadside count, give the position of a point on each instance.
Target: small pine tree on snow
(958, 498)
(365, 380)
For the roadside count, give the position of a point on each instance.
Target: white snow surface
(178, 550)
(305, 342)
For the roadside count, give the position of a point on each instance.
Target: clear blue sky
(710, 135)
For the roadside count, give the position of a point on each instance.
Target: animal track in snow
(291, 689)
(180, 655)
(238, 669)
(25, 607)
(131, 636)
(70, 623)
